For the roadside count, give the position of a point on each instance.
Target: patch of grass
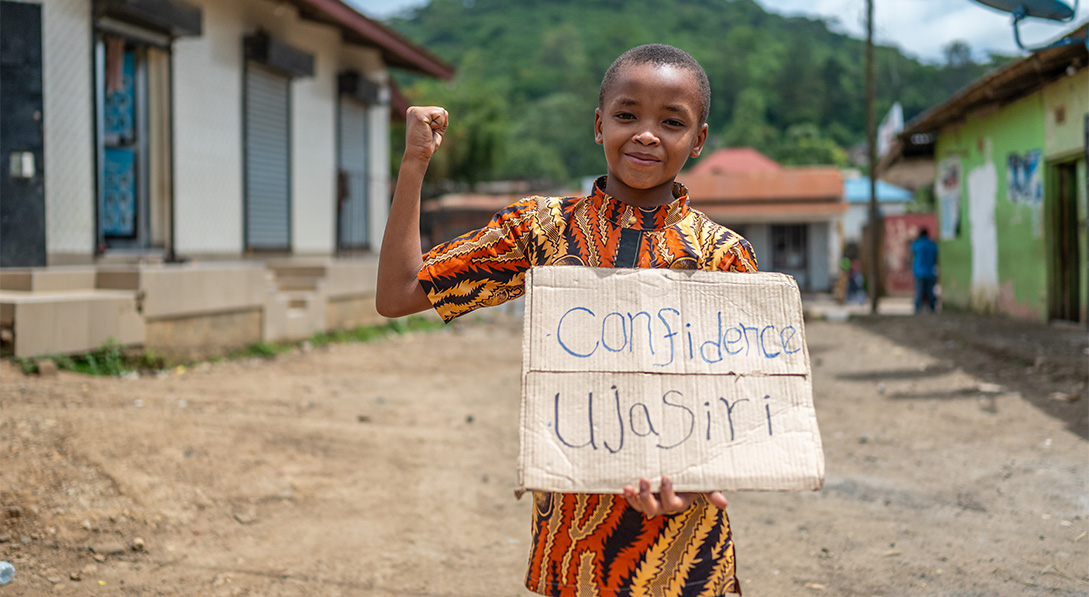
(28, 366)
(108, 360)
(369, 333)
(111, 359)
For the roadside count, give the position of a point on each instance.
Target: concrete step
(297, 270)
(297, 283)
(48, 279)
(66, 322)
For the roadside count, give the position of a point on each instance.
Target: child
(651, 117)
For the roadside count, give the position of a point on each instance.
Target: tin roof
(1000, 86)
(857, 190)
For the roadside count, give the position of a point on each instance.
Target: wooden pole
(871, 130)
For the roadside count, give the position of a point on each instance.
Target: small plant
(108, 360)
(27, 366)
(148, 359)
(263, 350)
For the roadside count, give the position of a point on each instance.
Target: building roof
(796, 184)
(783, 195)
(776, 212)
(735, 159)
(396, 51)
(1000, 86)
(857, 190)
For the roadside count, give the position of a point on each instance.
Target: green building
(1011, 184)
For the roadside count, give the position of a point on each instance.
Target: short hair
(659, 55)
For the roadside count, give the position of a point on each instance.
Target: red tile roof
(767, 195)
(781, 213)
(798, 184)
(735, 159)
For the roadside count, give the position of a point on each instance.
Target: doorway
(268, 159)
(134, 143)
(1065, 280)
(22, 179)
(353, 223)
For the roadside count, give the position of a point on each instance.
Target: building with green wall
(1011, 185)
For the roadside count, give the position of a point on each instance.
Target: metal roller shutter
(268, 166)
(353, 166)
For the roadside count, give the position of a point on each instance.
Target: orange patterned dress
(595, 544)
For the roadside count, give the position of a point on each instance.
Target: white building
(240, 136)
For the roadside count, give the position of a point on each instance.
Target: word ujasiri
(686, 419)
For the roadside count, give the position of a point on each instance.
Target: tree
(749, 126)
(957, 54)
(526, 86)
(797, 88)
(803, 145)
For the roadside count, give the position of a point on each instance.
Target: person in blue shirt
(925, 260)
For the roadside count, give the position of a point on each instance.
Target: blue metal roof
(857, 190)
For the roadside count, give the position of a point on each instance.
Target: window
(788, 248)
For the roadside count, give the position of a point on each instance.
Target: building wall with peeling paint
(1066, 126)
(994, 166)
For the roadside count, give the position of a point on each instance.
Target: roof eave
(396, 50)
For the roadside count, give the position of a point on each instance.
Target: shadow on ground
(1047, 364)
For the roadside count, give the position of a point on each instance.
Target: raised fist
(424, 130)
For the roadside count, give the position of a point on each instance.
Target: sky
(921, 28)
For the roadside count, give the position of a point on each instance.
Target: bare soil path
(387, 469)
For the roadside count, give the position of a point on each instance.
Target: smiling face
(650, 123)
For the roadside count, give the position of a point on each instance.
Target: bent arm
(399, 291)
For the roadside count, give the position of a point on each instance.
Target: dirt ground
(956, 451)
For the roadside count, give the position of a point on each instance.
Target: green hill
(528, 73)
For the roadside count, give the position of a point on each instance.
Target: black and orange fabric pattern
(595, 544)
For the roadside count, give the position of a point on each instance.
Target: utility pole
(871, 132)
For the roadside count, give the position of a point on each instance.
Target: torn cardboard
(639, 373)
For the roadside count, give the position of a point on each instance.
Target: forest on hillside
(522, 103)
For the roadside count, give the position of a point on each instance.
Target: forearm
(399, 292)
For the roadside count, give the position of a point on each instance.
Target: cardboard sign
(638, 373)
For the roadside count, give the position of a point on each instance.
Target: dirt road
(955, 466)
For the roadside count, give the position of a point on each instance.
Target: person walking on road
(924, 267)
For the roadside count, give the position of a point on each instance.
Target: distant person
(651, 117)
(924, 267)
(856, 283)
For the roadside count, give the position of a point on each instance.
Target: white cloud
(920, 28)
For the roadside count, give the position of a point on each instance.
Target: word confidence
(676, 423)
(662, 332)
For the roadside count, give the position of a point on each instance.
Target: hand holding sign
(667, 501)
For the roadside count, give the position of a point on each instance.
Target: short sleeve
(739, 257)
(482, 268)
